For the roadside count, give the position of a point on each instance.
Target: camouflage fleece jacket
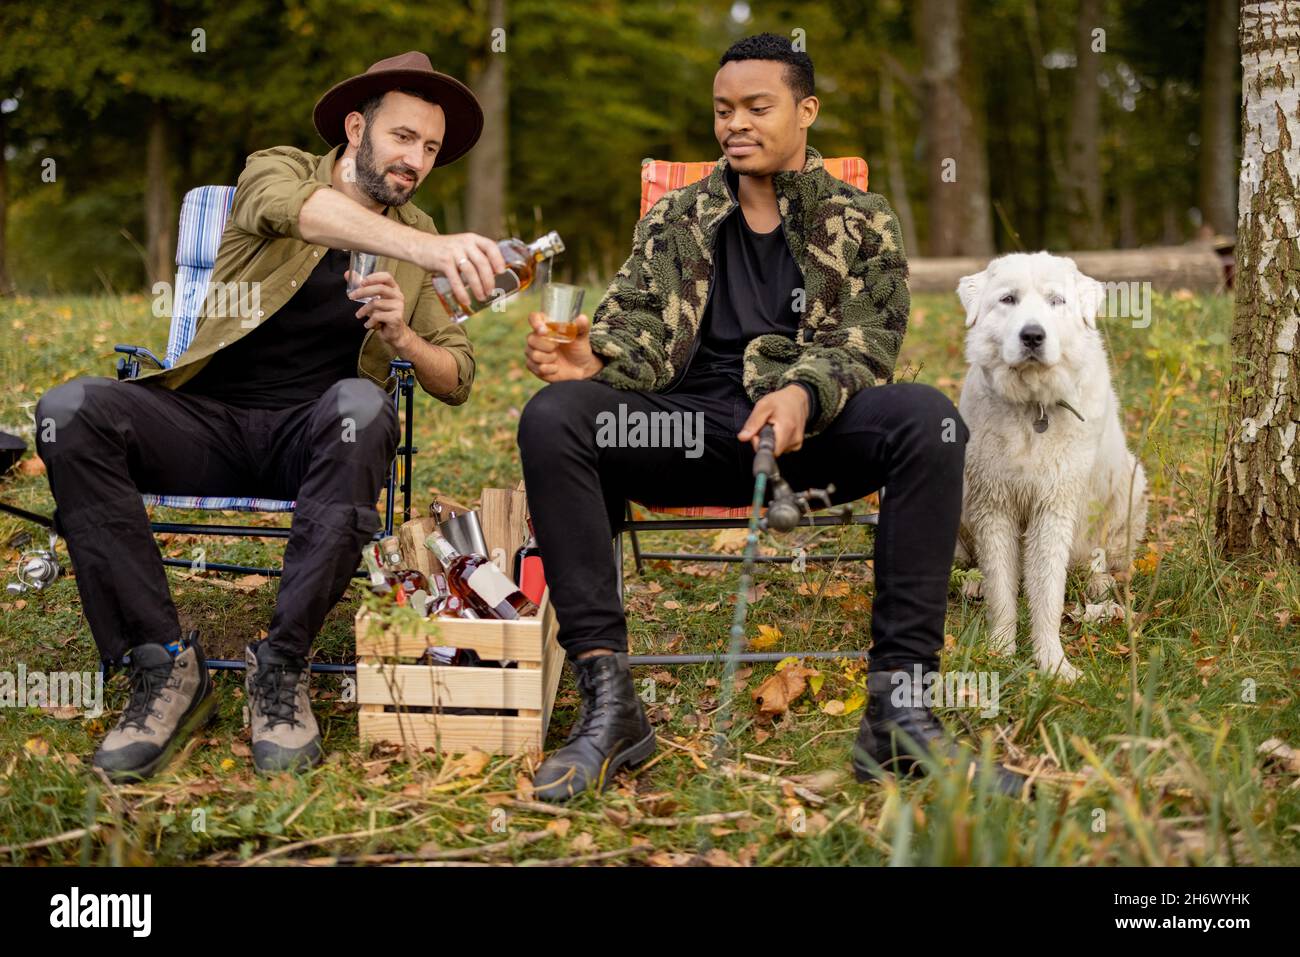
(848, 247)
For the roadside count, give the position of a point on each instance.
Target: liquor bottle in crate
(479, 583)
(382, 581)
(522, 262)
(410, 580)
(528, 572)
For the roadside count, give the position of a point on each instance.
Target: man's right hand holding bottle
(553, 361)
(465, 259)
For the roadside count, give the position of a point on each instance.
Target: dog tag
(1040, 425)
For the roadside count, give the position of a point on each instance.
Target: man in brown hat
(288, 398)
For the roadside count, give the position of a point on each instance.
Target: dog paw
(1062, 670)
(973, 588)
(1002, 645)
(1100, 585)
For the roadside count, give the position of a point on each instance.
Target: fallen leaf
(38, 747)
(777, 693)
(768, 635)
(730, 540)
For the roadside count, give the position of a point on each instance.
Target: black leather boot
(612, 732)
(888, 728)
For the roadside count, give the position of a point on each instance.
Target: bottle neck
(545, 247)
(444, 549)
(372, 565)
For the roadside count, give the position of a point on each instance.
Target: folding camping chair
(657, 178)
(203, 218)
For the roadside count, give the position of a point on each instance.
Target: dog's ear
(969, 290)
(1090, 295)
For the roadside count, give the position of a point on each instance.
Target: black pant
(104, 442)
(906, 436)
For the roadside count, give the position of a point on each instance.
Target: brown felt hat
(411, 71)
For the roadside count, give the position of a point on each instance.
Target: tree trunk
(977, 237)
(1083, 186)
(960, 218)
(5, 285)
(1217, 189)
(940, 36)
(485, 189)
(159, 204)
(894, 163)
(1258, 506)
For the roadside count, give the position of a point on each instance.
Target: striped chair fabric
(203, 219)
(659, 177)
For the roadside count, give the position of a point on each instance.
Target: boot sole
(203, 714)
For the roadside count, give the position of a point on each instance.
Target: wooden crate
(407, 703)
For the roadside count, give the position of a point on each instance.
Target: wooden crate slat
(515, 640)
(448, 687)
(491, 734)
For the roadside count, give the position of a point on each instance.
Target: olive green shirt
(262, 244)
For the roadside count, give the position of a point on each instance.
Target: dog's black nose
(1032, 335)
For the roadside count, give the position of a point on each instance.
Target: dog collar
(1041, 423)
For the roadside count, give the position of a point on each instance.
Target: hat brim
(463, 114)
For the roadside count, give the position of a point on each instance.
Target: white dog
(1050, 482)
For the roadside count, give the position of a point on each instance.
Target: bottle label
(488, 582)
(533, 579)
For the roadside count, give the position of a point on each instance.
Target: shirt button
(260, 312)
(221, 345)
(293, 282)
(315, 253)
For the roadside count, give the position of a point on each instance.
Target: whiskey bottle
(522, 260)
(528, 567)
(411, 580)
(482, 586)
(382, 581)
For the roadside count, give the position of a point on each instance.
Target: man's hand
(385, 312)
(554, 361)
(787, 410)
(464, 259)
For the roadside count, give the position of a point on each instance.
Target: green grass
(1151, 758)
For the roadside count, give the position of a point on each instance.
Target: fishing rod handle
(765, 461)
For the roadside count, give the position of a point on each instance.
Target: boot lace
(146, 685)
(275, 694)
(593, 705)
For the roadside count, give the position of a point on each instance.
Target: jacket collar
(325, 174)
(796, 193)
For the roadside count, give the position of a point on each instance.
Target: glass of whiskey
(561, 303)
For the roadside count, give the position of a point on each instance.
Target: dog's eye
(1008, 300)
(1055, 300)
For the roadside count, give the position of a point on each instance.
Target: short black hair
(772, 46)
(370, 105)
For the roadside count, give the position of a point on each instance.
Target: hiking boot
(893, 729)
(612, 732)
(285, 736)
(171, 696)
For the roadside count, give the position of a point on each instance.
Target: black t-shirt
(755, 278)
(312, 342)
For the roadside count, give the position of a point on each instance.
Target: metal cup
(465, 534)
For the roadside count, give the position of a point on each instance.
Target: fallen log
(1198, 267)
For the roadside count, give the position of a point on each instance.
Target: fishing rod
(784, 514)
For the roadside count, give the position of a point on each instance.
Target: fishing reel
(788, 508)
(37, 568)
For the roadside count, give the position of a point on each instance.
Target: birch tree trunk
(1258, 505)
